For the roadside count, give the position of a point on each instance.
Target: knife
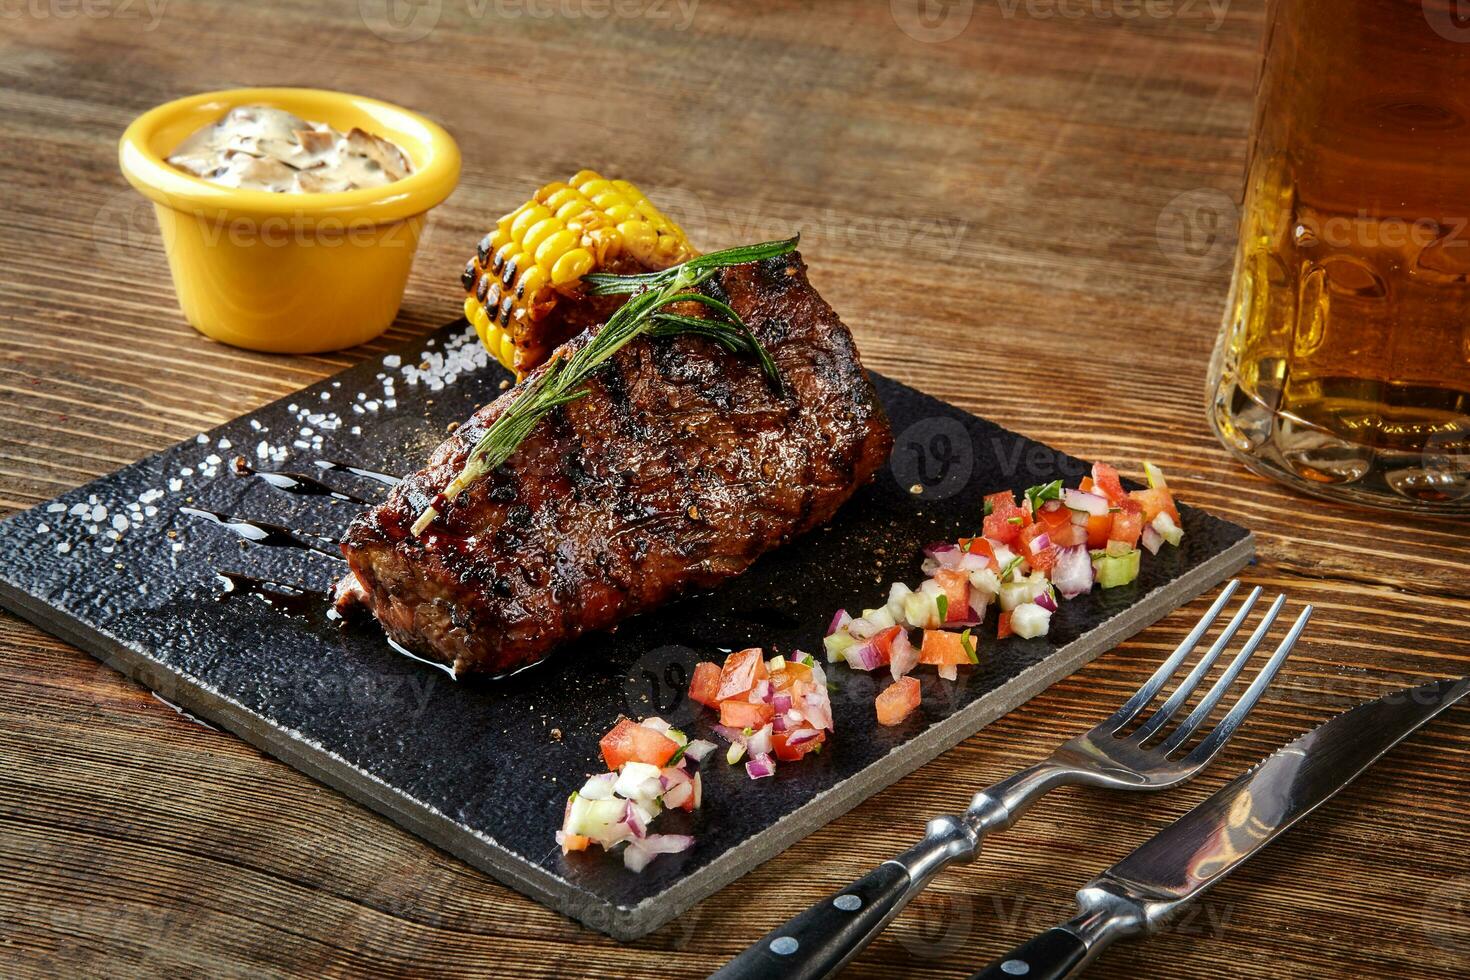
(1144, 891)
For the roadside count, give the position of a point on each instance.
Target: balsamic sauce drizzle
(263, 533)
(298, 483)
(289, 599)
(334, 466)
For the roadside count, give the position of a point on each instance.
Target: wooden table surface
(1021, 210)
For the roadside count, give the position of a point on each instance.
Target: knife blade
(1142, 892)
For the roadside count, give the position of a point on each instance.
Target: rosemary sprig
(561, 381)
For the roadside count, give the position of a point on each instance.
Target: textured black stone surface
(475, 766)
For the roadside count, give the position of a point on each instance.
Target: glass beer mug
(1343, 366)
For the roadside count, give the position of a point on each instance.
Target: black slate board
(473, 766)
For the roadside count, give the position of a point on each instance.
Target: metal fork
(819, 941)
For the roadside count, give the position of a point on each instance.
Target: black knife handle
(1053, 955)
(820, 940)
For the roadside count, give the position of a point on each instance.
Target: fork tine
(1151, 687)
(1222, 685)
(1222, 733)
(1186, 687)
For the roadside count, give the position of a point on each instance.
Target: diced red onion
(1081, 500)
(938, 548)
(1072, 575)
(802, 735)
(862, 629)
(818, 708)
(902, 657)
(778, 723)
(759, 743)
(864, 656)
(761, 693)
(971, 562)
(698, 749)
(839, 620)
(666, 843)
(639, 852)
(760, 767)
(633, 820)
(679, 795)
(731, 735)
(1045, 601)
(781, 702)
(1051, 505)
(949, 672)
(1152, 540)
(1040, 543)
(657, 724)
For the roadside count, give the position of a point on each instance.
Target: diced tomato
(1003, 628)
(705, 684)
(940, 647)
(1155, 502)
(1127, 526)
(956, 586)
(1054, 519)
(736, 713)
(791, 675)
(631, 742)
(897, 701)
(741, 671)
(573, 842)
(1041, 559)
(1105, 478)
(883, 642)
(1098, 529)
(1006, 520)
(1069, 536)
(1086, 485)
(793, 753)
(979, 546)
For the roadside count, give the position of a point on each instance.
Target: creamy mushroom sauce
(262, 148)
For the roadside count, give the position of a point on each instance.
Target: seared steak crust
(678, 469)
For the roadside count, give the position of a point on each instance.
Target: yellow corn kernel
(571, 267)
(539, 253)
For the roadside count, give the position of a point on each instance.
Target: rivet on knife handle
(820, 940)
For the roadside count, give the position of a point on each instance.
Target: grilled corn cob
(523, 283)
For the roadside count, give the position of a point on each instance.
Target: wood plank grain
(965, 204)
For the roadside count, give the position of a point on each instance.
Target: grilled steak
(679, 468)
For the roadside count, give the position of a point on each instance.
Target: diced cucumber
(837, 644)
(1118, 549)
(1014, 594)
(1155, 477)
(1116, 570)
(880, 618)
(920, 610)
(595, 818)
(897, 592)
(1030, 620)
(1167, 529)
(986, 582)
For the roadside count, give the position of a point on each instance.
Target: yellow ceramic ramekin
(291, 273)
